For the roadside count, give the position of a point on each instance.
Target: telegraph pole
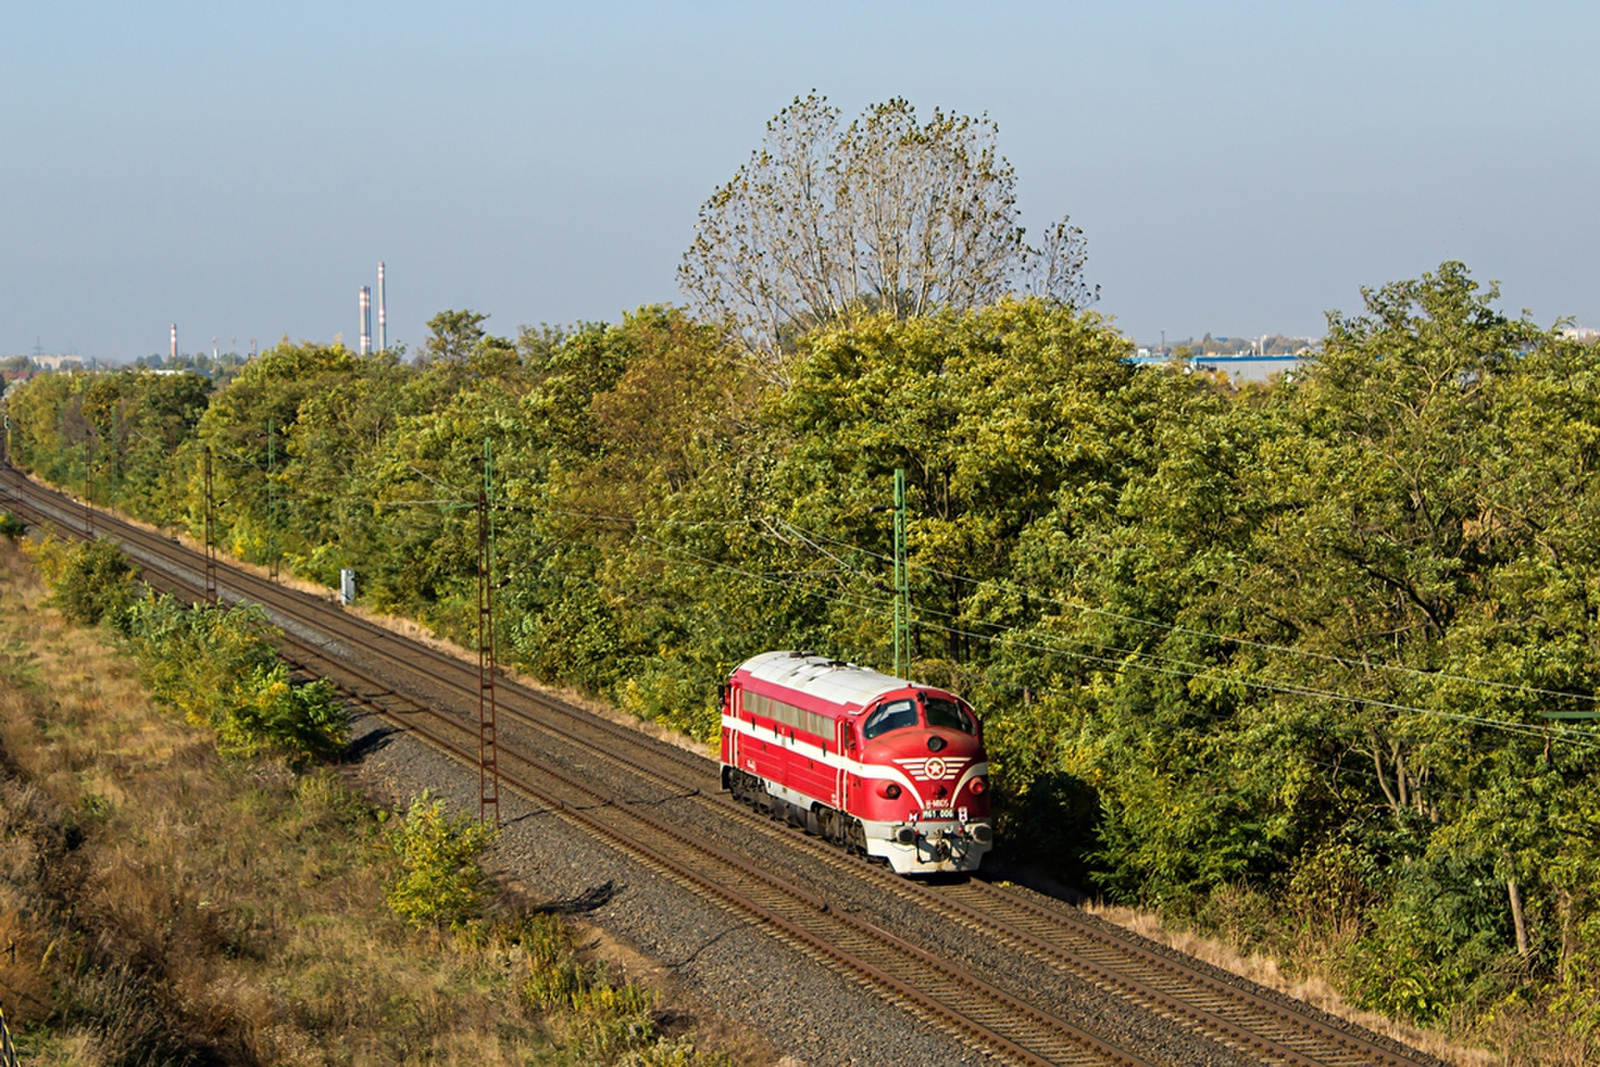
(488, 750)
(902, 584)
(88, 485)
(211, 538)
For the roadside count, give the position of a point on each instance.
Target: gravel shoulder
(803, 1015)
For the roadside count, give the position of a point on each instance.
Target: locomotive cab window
(896, 715)
(949, 714)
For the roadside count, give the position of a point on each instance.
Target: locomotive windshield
(949, 714)
(896, 715)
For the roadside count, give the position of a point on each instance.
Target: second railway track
(1006, 1013)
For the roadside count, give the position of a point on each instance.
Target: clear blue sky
(1238, 168)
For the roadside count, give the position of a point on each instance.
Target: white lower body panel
(931, 846)
(943, 847)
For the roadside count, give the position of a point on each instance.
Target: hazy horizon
(1238, 169)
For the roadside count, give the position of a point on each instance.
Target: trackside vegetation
(440, 881)
(1306, 662)
(170, 895)
(90, 582)
(214, 664)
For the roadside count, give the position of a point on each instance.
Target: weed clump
(440, 882)
(217, 666)
(91, 582)
(603, 1019)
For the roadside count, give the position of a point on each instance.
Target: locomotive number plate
(938, 813)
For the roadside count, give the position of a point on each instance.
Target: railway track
(414, 684)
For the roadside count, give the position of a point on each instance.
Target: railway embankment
(720, 947)
(160, 902)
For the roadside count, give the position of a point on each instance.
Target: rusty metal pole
(488, 750)
(211, 540)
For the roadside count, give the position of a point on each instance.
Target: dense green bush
(91, 581)
(439, 882)
(216, 664)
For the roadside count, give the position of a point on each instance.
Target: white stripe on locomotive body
(972, 772)
(793, 796)
(835, 760)
(845, 763)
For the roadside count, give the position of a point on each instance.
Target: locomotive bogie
(944, 847)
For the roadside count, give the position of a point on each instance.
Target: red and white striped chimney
(383, 321)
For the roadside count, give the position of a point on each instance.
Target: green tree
(991, 413)
(140, 423)
(1417, 601)
(454, 335)
(258, 415)
(49, 434)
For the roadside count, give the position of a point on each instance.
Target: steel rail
(1124, 965)
(979, 1013)
(846, 943)
(1063, 934)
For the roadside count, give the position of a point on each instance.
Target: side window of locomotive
(788, 715)
(949, 714)
(893, 716)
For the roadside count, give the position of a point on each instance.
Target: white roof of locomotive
(819, 676)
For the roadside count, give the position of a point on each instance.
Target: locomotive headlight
(888, 790)
(977, 787)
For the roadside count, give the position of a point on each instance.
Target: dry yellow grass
(154, 896)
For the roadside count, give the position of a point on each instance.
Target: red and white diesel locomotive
(877, 764)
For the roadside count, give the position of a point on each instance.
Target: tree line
(1331, 642)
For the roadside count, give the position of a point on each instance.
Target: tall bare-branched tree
(889, 213)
